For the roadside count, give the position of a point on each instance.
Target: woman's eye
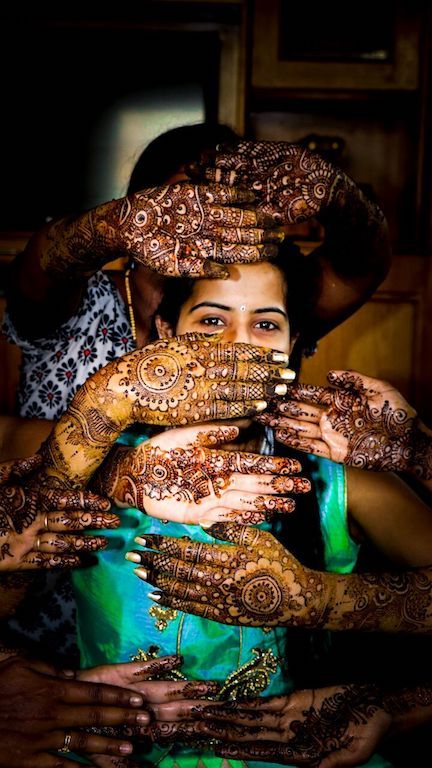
(211, 321)
(267, 325)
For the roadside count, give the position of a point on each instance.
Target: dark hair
(166, 154)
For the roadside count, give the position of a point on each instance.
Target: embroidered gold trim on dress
(252, 678)
(162, 616)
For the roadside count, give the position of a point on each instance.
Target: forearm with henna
(394, 602)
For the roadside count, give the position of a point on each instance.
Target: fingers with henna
(288, 437)
(79, 521)
(53, 500)
(248, 371)
(45, 560)
(47, 542)
(289, 409)
(269, 484)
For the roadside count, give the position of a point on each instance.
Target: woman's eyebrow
(210, 304)
(263, 310)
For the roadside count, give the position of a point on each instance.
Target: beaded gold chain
(130, 307)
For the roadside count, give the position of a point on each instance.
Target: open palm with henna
(171, 382)
(183, 475)
(181, 229)
(360, 421)
(252, 581)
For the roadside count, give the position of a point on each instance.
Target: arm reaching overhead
(295, 184)
(182, 229)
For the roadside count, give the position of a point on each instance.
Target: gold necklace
(130, 307)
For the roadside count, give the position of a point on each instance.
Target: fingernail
(154, 595)
(139, 540)
(261, 405)
(280, 389)
(280, 357)
(142, 573)
(126, 749)
(287, 374)
(136, 701)
(143, 718)
(205, 524)
(133, 557)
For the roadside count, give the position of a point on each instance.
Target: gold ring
(45, 524)
(66, 744)
(37, 544)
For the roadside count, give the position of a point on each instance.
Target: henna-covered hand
(293, 183)
(41, 527)
(171, 382)
(181, 475)
(325, 727)
(256, 582)
(182, 229)
(360, 421)
(154, 681)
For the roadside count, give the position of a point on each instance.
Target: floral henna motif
(171, 382)
(182, 229)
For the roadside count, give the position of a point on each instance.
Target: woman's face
(248, 307)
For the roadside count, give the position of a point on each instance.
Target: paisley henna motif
(182, 229)
(172, 382)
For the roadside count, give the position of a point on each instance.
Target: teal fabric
(115, 622)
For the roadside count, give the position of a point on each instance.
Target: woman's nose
(238, 334)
